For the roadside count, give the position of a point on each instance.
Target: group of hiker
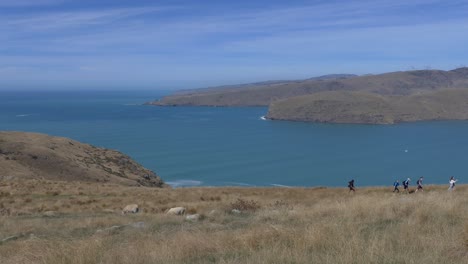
(406, 183)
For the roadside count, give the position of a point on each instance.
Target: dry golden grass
(297, 225)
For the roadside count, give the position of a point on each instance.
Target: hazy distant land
(375, 99)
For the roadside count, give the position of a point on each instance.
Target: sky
(142, 44)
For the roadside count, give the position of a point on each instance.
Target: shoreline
(13, 179)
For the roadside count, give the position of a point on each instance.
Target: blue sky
(132, 44)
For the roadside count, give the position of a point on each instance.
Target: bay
(220, 146)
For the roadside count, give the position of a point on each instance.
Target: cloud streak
(194, 41)
(26, 3)
(70, 20)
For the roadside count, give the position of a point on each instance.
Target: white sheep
(131, 208)
(176, 211)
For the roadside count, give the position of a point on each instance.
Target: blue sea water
(221, 146)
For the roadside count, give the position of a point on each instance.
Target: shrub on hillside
(245, 205)
(280, 204)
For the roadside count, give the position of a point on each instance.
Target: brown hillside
(57, 222)
(394, 83)
(369, 108)
(39, 156)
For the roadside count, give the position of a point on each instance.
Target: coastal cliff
(39, 156)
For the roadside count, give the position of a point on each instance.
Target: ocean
(222, 146)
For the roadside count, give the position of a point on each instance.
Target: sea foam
(184, 183)
(238, 184)
(281, 185)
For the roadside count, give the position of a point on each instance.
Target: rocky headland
(38, 156)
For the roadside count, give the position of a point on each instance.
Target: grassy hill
(80, 222)
(39, 156)
(262, 94)
(370, 108)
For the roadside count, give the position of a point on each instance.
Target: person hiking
(406, 184)
(419, 183)
(351, 186)
(395, 186)
(452, 182)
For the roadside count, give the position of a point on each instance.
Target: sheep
(176, 211)
(131, 208)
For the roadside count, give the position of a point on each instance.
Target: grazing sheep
(176, 211)
(131, 208)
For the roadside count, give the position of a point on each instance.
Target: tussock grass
(298, 225)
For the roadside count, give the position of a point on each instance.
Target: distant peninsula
(387, 98)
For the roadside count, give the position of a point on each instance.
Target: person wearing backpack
(419, 183)
(406, 184)
(452, 184)
(351, 186)
(395, 186)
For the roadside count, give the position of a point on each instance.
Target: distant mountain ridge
(365, 91)
(211, 96)
(333, 76)
(265, 83)
(393, 83)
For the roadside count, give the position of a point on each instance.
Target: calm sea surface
(190, 146)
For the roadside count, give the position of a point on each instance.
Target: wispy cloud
(384, 39)
(133, 27)
(23, 3)
(67, 20)
(346, 13)
(195, 41)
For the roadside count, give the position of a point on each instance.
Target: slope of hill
(264, 84)
(370, 108)
(39, 156)
(394, 83)
(78, 223)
